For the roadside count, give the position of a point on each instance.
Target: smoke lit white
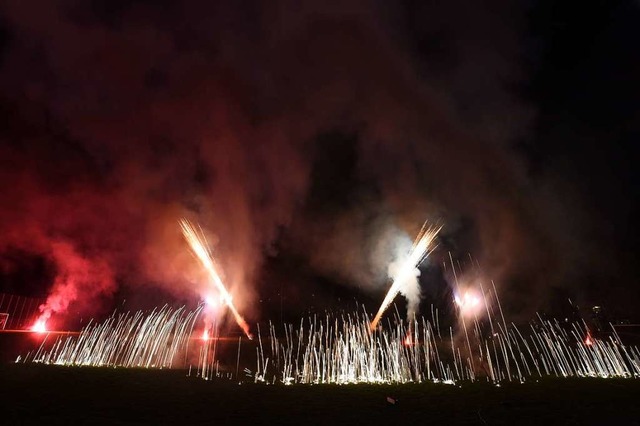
(405, 271)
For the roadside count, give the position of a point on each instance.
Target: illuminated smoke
(77, 277)
(216, 111)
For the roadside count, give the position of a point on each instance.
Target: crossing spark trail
(199, 247)
(421, 248)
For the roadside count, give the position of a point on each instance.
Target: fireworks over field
(343, 350)
(209, 208)
(352, 348)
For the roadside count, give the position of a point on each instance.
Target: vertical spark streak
(198, 246)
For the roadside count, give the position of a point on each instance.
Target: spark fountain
(146, 340)
(343, 350)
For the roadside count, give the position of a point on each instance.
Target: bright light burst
(469, 303)
(40, 326)
(199, 247)
(422, 247)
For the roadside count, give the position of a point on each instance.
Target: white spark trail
(198, 245)
(422, 247)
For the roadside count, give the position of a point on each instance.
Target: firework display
(147, 340)
(353, 348)
(342, 350)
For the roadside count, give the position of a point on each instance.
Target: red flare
(40, 326)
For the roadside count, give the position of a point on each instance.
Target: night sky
(307, 138)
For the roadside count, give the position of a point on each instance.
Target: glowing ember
(422, 247)
(408, 340)
(39, 327)
(205, 335)
(199, 248)
(588, 341)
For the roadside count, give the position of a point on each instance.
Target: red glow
(408, 341)
(39, 327)
(588, 341)
(205, 335)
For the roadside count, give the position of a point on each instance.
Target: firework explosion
(406, 270)
(199, 247)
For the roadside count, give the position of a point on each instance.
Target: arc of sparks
(422, 247)
(198, 245)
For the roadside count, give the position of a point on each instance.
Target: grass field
(36, 394)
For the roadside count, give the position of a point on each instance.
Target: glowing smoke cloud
(79, 279)
(199, 248)
(405, 273)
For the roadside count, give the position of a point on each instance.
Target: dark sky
(307, 138)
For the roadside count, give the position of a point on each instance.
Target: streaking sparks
(155, 339)
(422, 247)
(198, 245)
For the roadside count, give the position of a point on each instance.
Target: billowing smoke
(279, 127)
(77, 278)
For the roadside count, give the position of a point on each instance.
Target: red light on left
(39, 327)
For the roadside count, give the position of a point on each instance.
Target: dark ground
(36, 394)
